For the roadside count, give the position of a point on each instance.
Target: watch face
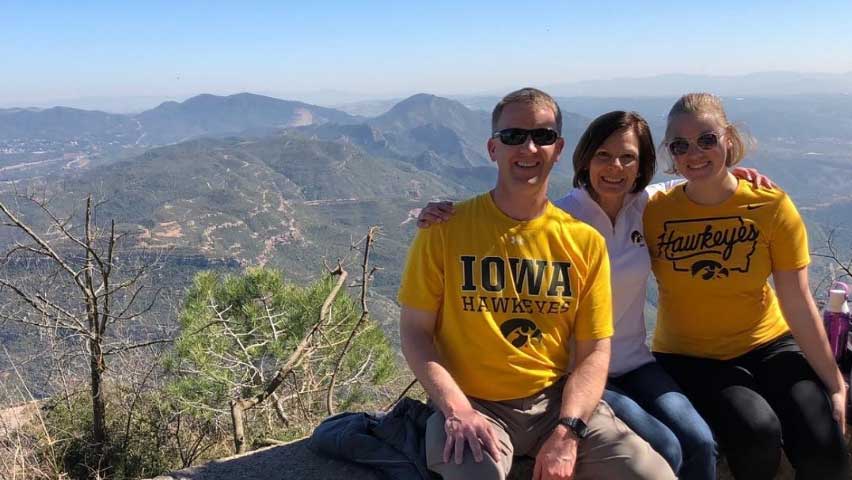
(576, 425)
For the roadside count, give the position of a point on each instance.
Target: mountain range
(259, 180)
(170, 122)
(268, 181)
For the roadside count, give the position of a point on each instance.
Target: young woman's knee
(751, 423)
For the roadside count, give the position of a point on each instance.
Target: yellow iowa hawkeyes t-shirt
(509, 295)
(712, 265)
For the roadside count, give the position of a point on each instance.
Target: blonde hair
(710, 105)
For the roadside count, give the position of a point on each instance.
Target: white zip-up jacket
(630, 267)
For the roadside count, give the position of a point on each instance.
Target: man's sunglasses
(518, 136)
(705, 141)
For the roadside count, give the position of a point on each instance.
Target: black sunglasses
(517, 136)
(705, 141)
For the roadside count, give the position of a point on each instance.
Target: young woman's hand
(435, 212)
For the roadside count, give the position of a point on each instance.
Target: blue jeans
(649, 401)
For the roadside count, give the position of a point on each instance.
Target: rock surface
(292, 461)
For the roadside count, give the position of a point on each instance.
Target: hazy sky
(54, 50)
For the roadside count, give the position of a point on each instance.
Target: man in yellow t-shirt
(496, 302)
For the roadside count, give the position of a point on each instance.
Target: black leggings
(753, 401)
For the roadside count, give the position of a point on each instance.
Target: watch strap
(576, 425)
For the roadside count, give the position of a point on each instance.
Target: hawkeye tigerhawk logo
(709, 247)
(520, 331)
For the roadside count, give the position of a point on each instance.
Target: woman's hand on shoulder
(757, 179)
(435, 212)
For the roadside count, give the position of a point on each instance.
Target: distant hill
(367, 108)
(104, 103)
(424, 109)
(425, 122)
(211, 115)
(170, 122)
(60, 123)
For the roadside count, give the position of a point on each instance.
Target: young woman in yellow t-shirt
(754, 361)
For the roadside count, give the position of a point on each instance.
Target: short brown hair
(596, 134)
(528, 96)
(711, 105)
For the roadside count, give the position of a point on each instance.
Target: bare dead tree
(82, 289)
(366, 276)
(836, 260)
(838, 264)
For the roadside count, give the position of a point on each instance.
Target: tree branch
(365, 312)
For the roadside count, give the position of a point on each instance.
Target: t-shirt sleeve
(422, 285)
(788, 246)
(594, 308)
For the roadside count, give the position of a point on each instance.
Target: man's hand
(463, 423)
(557, 457)
(471, 426)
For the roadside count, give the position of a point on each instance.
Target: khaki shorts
(610, 450)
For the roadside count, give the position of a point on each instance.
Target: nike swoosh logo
(755, 207)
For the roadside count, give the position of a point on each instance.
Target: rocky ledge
(292, 461)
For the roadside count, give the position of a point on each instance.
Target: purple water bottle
(836, 321)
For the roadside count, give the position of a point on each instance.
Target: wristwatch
(576, 425)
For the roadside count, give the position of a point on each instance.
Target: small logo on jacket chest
(637, 238)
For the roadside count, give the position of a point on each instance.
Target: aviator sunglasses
(517, 136)
(705, 141)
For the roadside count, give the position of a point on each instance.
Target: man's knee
(635, 460)
(615, 451)
(487, 469)
(646, 465)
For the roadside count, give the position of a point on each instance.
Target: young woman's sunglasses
(705, 141)
(517, 136)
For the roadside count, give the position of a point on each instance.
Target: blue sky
(52, 50)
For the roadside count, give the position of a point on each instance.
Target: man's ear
(559, 145)
(491, 145)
